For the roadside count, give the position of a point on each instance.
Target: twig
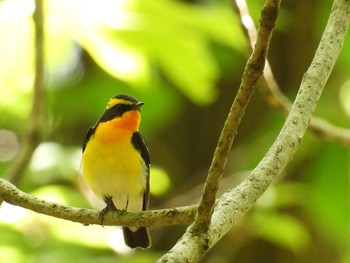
(275, 97)
(37, 120)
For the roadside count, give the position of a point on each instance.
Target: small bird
(115, 164)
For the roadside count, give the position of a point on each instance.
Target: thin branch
(165, 217)
(253, 71)
(235, 203)
(37, 120)
(275, 97)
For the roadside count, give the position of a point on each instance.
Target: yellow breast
(112, 166)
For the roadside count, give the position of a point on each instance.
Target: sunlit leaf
(159, 181)
(11, 254)
(174, 35)
(282, 230)
(345, 97)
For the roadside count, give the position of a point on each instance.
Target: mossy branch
(165, 217)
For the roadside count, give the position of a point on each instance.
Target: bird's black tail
(138, 238)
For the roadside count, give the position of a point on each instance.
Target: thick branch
(235, 203)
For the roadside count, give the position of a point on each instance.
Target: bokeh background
(184, 59)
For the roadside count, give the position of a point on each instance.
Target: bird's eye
(119, 109)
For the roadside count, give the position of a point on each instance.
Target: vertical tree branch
(253, 71)
(37, 120)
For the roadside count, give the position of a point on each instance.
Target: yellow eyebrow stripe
(113, 101)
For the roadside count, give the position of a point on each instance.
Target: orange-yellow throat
(118, 130)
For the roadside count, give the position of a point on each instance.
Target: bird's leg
(109, 207)
(127, 204)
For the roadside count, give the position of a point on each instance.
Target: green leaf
(329, 175)
(172, 35)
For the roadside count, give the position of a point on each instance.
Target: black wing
(141, 146)
(90, 132)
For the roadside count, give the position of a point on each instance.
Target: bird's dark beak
(138, 105)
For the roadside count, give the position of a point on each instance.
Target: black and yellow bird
(115, 163)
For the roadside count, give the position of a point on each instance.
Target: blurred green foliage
(184, 60)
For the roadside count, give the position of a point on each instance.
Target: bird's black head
(118, 105)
